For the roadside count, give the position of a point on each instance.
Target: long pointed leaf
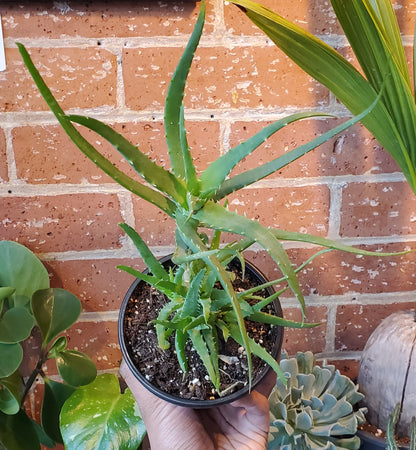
(154, 174)
(127, 182)
(214, 215)
(251, 176)
(259, 351)
(194, 242)
(191, 305)
(374, 49)
(170, 289)
(212, 178)
(149, 259)
(178, 151)
(203, 351)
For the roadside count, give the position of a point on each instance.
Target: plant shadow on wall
(28, 306)
(387, 369)
(202, 309)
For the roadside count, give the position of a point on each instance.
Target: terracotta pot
(190, 402)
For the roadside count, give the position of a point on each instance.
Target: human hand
(243, 424)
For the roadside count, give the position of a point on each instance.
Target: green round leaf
(17, 432)
(15, 325)
(21, 269)
(75, 368)
(55, 310)
(58, 346)
(11, 355)
(99, 416)
(6, 292)
(55, 395)
(10, 392)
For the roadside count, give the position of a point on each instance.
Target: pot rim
(189, 402)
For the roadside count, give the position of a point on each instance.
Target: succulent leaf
(305, 415)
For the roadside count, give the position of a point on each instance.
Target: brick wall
(113, 60)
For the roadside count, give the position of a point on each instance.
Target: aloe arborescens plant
(202, 305)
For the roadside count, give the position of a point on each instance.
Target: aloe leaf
(212, 177)
(412, 445)
(251, 176)
(179, 155)
(203, 351)
(161, 328)
(155, 267)
(172, 290)
(280, 321)
(391, 426)
(191, 305)
(258, 350)
(127, 182)
(194, 242)
(154, 174)
(192, 182)
(199, 322)
(301, 237)
(180, 344)
(215, 216)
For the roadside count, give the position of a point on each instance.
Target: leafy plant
(99, 416)
(26, 301)
(315, 409)
(373, 32)
(391, 426)
(203, 305)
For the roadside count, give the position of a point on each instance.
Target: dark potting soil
(161, 367)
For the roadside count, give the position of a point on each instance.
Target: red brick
(339, 273)
(316, 17)
(97, 283)
(347, 367)
(153, 225)
(355, 323)
(99, 340)
(3, 159)
(45, 154)
(378, 209)
(352, 152)
(301, 340)
(94, 20)
(303, 209)
(405, 12)
(83, 78)
(62, 222)
(220, 78)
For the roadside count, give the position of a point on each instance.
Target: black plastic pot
(371, 442)
(187, 402)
